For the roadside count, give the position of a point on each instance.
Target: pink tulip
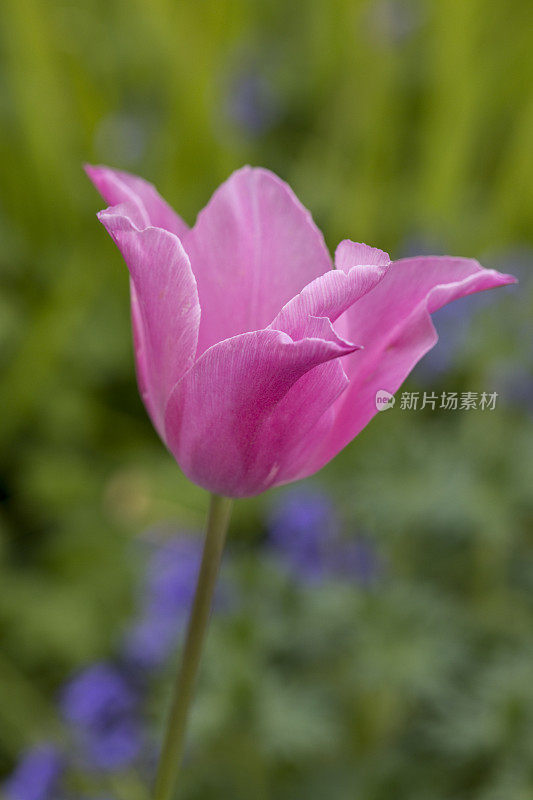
(257, 361)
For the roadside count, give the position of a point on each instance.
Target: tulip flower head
(258, 360)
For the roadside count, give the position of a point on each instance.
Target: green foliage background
(395, 121)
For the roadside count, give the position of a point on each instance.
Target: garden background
(406, 671)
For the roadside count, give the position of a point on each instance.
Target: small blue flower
(172, 575)
(114, 747)
(96, 696)
(150, 641)
(305, 531)
(102, 707)
(37, 775)
(303, 528)
(168, 595)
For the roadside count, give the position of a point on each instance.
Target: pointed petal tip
(250, 169)
(493, 279)
(94, 171)
(350, 254)
(507, 279)
(321, 329)
(120, 211)
(119, 187)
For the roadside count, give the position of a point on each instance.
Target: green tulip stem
(173, 744)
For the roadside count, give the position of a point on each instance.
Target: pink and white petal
(252, 249)
(309, 447)
(165, 308)
(140, 350)
(393, 324)
(320, 328)
(328, 296)
(351, 254)
(233, 420)
(118, 187)
(407, 283)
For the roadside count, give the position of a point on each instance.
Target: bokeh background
(374, 633)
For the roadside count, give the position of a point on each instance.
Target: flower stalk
(174, 741)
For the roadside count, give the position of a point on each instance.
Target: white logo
(384, 400)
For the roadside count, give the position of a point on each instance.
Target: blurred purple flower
(171, 577)
(37, 775)
(96, 696)
(302, 528)
(102, 707)
(114, 747)
(305, 531)
(149, 642)
(251, 102)
(168, 594)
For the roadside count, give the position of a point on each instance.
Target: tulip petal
(141, 356)
(252, 249)
(333, 293)
(234, 419)
(393, 324)
(165, 308)
(120, 187)
(349, 254)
